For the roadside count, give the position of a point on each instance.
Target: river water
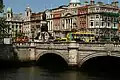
(38, 73)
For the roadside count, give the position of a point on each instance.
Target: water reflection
(37, 73)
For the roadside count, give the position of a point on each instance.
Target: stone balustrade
(64, 44)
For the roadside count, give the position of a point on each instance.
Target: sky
(36, 5)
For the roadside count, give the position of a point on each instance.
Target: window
(108, 18)
(69, 20)
(92, 17)
(47, 16)
(114, 25)
(91, 23)
(12, 26)
(27, 13)
(102, 23)
(75, 19)
(51, 24)
(16, 26)
(51, 15)
(20, 26)
(97, 16)
(108, 24)
(97, 24)
(37, 26)
(97, 8)
(101, 16)
(66, 21)
(75, 4)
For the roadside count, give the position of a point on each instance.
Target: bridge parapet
(100, 46)
(66, 45)
(91, 46)
(22, 44)
(52, 46)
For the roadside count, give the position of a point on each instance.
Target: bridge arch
(53, 52)
(93, 55)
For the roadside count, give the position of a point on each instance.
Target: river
(38, 73)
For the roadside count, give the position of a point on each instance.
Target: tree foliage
(19, 34)
(4, 28)
(1, 6)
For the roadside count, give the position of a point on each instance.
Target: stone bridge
(75, 54)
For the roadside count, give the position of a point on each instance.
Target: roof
(17, 17)
(9, 9)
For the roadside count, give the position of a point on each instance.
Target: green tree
(4, 28)
(19, 34)
(1, 6)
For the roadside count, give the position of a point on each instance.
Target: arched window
(27, 13)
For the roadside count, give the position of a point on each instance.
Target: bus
(81, 36)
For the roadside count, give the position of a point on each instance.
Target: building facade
(103, 19)
(15, 22)
(36, 18)
(27, 23)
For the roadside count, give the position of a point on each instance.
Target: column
(50, 24)
(70, 23)
(49, 27)
(65, 23)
